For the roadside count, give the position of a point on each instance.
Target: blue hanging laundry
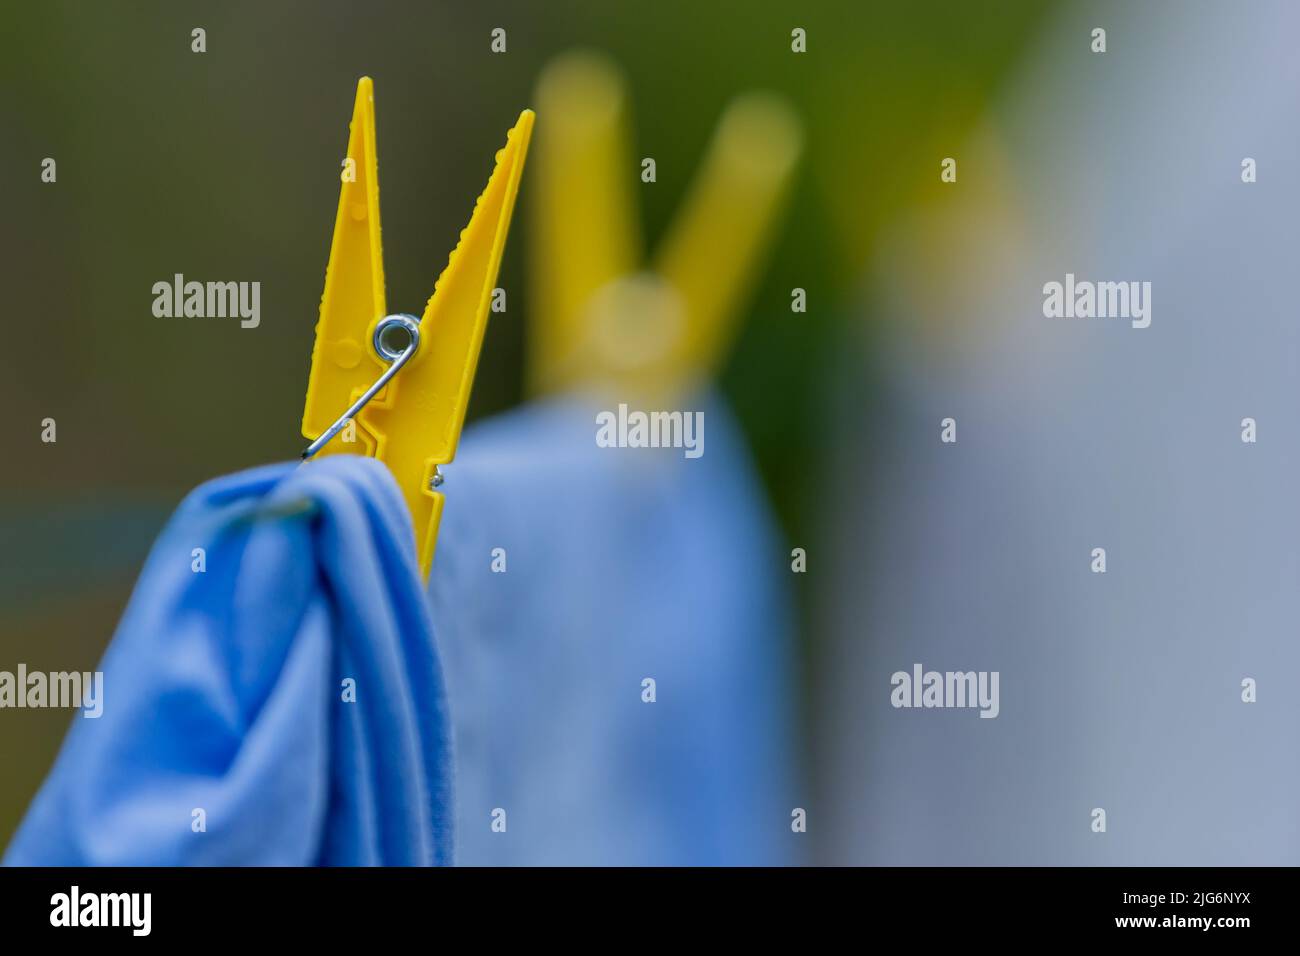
(227, 691)
(566, 577)
(569, 575)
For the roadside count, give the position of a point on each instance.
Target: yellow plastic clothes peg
(600, 316)
(390, 386)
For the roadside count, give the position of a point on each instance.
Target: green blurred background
(224, 166)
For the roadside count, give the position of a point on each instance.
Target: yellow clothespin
(411, 421)
(598, 315)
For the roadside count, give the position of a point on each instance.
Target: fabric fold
(273, 694)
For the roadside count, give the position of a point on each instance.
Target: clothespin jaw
(717, 241)
(413, 423)
(342, 365)
(600, 316)
(585, 229)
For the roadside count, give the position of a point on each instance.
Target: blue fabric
(223, 691)
(621, 564)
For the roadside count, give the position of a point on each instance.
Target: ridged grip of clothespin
(418, 424)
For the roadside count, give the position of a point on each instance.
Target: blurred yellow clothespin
(599, 316)
(411, 421)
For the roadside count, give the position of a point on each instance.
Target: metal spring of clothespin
(387, 334)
